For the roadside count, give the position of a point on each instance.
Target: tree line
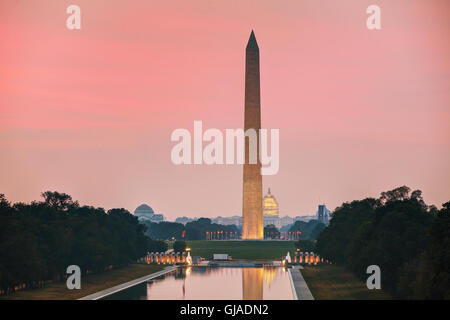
(407, 239)
(309, 230)
(194, 230)
(300, 230)
(38, 241)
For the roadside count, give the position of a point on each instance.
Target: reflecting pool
(213, 283)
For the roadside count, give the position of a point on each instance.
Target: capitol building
(271, 215)
(271, 211)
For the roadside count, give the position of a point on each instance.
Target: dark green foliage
(309, 230)
(157, 245)
(38, 241)
(305, 245)
(428, 275)
(179, 246)
(334, 242)
(195, 230)
(271, 232)
(439, 254)
(164, 230)
(409, 241)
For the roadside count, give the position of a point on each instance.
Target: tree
(305, 245)
(39, 240)
(400, 193)
(156, 246)
(398, 232)
(439, 254)
(196, 230)
(60, 201)
(335, 241)
(308, 230)
(164, 230)
(179, 246)
(271, 232)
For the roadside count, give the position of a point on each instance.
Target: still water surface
(210, 283)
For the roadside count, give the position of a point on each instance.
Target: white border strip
(294, 292)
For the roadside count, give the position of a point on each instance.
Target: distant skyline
(90, 112)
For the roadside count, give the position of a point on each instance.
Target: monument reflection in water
(208, 283)
(252, 283)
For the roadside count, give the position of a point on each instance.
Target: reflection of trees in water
(180, 273)
(198, 270)
(201, 270)
(171, 274)
(253, 278)
(269, 272)
(137, 292)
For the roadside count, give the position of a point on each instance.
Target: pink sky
(90, 112)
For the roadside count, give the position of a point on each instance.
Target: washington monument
(252, 215)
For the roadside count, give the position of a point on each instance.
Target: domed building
(270, 205)
(271, 210)
(145, 212)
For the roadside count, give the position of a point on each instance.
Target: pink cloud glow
(90, 112)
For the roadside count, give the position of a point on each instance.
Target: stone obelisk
(252, 215)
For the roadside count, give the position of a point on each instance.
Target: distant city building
(146, 213)
(271, 215)
(323, 214)
(286, 221)
(236, 220)
(304, 218)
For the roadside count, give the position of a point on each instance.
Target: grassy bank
(89, 284)
(250, 250)
(336, 283)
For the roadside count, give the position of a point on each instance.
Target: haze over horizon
(90, 112)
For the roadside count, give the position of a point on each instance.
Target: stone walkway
(107, 292)
(300, 288)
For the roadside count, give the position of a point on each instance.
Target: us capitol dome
(271, 210)
(270, 205)
(145, 213)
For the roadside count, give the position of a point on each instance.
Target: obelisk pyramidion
(252, 215)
